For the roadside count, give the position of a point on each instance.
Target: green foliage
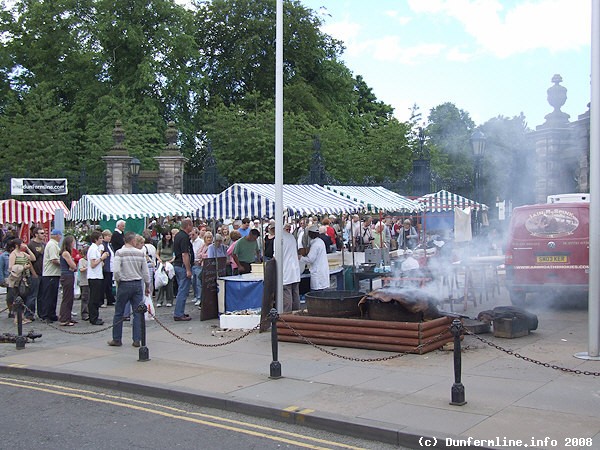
(449, 131)
(70, 68)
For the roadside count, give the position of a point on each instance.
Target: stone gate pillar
(117, 164)
(553, 160)
(171, 164)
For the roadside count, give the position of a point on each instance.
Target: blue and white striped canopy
(377, 198)
(258, 200)
(125, 206)
(196, 201)
(447, 201)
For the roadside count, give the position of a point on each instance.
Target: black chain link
(531, 360)
(79, 333)
(5, 309)
(220, 344)
(351, 358)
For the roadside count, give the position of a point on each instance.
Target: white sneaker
(197, 303)
(158, 305)
(169, 304)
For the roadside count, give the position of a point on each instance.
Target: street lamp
(421, 168)
(134, 172)
(478, 140)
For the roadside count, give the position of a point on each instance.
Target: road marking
(83, 394)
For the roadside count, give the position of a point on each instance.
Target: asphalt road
(56, 415)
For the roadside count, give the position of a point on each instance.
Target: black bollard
(458, 390)
(275, 368)
(144, 353)
(20, 339)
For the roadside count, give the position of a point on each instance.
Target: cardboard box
(238, 321)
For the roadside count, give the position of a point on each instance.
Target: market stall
(128, 206)
(196, 201)
(258, 200)
(377, 199)
(28, 213)
(443, 210)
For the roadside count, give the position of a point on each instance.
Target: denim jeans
(197, 281)
(31, 300)
(182, 292)
(129, 292)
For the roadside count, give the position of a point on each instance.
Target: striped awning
(125, 206)
(14, 211)
(46, 208)
(258, 200)
(195, 201)
(447, 201)
(377, 198)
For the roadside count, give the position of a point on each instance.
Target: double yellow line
(179, 414)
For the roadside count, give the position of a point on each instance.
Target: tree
(449, 131)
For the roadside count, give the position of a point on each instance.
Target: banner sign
(32, 186)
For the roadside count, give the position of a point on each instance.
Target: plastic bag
(76, 287)
(170, 270)
(148, 315)
(160, 277)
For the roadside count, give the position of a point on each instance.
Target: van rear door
(548, 248)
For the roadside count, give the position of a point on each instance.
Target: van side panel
(548, 247)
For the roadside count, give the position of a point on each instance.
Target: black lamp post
(478, 140)
(421, 168)
(134, 171)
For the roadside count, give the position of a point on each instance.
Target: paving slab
(424, 417)
(524, 423)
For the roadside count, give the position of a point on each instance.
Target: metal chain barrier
(80, 333)
(5, 309)
(198, 344)
(531, 360)
(351, 358)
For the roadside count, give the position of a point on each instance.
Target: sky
(490, 58)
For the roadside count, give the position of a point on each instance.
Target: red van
(548, 249)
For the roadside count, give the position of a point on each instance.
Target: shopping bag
(170, 270)
(76, 287)
(148, 315)
(160, 277)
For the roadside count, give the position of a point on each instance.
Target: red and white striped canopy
(45, 209)
(15, 211)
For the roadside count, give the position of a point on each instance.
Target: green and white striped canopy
(125, 206)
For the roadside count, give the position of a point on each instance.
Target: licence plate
(552, 259)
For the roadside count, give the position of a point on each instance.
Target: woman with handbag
(67, 279)
(19, 267)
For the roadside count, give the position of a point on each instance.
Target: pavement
(402, 401)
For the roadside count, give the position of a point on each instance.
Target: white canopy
(125, 206)
(377, 198)
(258, 200)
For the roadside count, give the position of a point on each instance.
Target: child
(83, 283)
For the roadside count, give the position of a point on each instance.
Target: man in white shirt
(291, 273)
(50, 278)
(96, 258)
(317, 259)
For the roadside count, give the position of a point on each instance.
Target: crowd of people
(177, 247)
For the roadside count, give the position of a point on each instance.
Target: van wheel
(517, 298)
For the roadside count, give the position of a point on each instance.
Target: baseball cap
(314, 228)
(56, 232)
